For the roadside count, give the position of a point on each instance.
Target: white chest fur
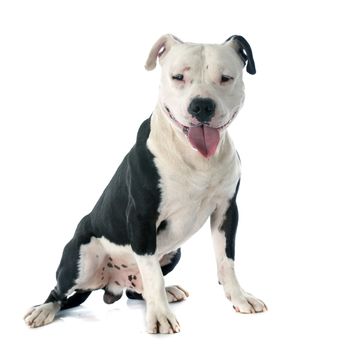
(192, 187)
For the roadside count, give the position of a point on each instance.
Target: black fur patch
(126, 213)
(162, 226)
(229, 226)
(67, 271)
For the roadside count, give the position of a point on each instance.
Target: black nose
(202, 109)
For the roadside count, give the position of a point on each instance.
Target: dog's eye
(226, 78)
(178, 77)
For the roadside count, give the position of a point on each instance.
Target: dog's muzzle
(202, 137)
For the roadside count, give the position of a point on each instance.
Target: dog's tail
(75, 300)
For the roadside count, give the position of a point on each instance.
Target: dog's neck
(167, 140)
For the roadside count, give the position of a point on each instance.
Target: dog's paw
(162, 322)
(175, 293)
(41, 315)
(246, 303)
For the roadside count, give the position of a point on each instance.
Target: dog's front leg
(159, 318)
(224, 222)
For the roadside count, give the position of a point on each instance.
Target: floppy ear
(244, 51)
(160, 48)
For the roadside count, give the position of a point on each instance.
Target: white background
(73, 92)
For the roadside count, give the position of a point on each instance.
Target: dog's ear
(160, 49)
(244, 50)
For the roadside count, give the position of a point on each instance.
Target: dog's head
(201, 89)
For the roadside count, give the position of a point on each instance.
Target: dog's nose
(202, 109)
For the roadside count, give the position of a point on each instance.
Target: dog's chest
(189, 197)
(191, 186)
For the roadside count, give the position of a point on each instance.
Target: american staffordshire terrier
(183, 169)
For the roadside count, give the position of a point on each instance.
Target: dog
(182, 170)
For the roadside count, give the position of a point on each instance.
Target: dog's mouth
(203, 138)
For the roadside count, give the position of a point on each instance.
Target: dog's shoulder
(132, 192)
(141, 160)
(142, 175)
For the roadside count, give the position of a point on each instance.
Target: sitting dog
(183, 169)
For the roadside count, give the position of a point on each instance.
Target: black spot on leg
(117, 283)
(102, 278)
(134, 277)
(130, 277)
(117, 267)
(229, 226)
(109, 265)
(125, 266)
(162, 226)
(133, 284)
(103, 268)
(109, 258)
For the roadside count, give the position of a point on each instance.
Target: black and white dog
(183, 169)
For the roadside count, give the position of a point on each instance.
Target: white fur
(159, 318)
(191, 186)
(41, 315)
(162, 45)
(242, 301)
(202, 67)
(175, 293)
(95, 255)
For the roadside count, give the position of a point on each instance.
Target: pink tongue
(204, 139)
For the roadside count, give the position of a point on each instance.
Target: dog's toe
(247, 304)
(162, 322)
(176, 293)
(257, 304)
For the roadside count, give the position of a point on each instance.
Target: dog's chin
(203, 138)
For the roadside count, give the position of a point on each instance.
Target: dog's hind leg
(66, 276)
(45, 313)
